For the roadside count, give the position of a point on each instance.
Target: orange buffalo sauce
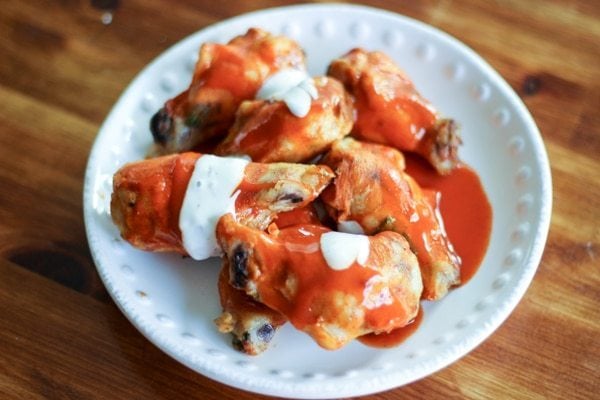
(227, 70)
(295, 251)
(182, 173)
(257, 139)
(297, 280)
(389, 108)
(395, 337)
(159, 186)
(465, 209)
(270, 131)
(298, 216)
(467, 216)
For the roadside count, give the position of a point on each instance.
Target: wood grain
(62, 69)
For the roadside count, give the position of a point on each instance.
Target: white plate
(173, 301)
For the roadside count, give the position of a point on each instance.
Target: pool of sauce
(467, 216)
(395, 337)
(465, 208)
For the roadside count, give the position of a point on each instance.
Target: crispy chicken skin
(224, 76)
(372, 189)
(268, 132)
(391, 111)
(251, 324)
(286, 270)
(148, 194)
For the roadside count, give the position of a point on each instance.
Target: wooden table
(63, 65)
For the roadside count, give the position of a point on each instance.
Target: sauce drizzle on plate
(465, 208)
(395, 337)
(467, 216)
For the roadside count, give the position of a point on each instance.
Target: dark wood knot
(531, 85)
(105, 5)
(59, 265)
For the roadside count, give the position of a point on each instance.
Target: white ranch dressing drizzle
(292, 86)
(341, 250)
(350, 227)
(210, 194)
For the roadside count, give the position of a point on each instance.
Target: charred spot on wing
(388, 224)
(160, 126)
(266, 332)
(239, 267)
(237, 343)
(375, 176)
(291, 197)
(131, 199)
(245, 337)
(198, 116)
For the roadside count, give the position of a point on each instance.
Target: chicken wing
(268, 132)
(148, 195)
(224, 76)
(372, 189)
(333, 286)
(391, 111)
(252, 324)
